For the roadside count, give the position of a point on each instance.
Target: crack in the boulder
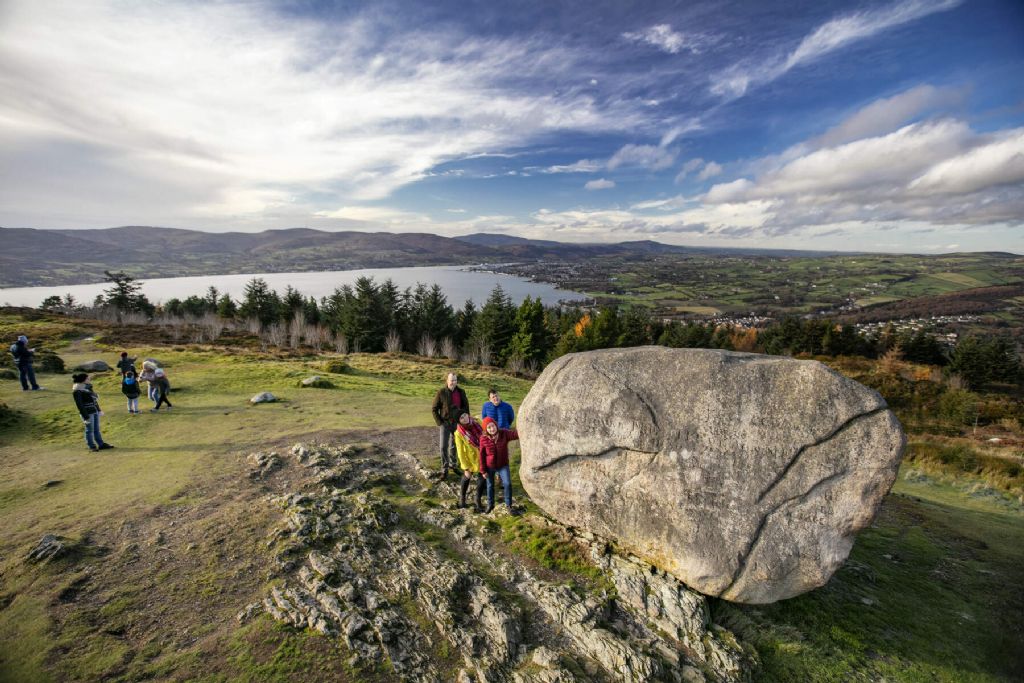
(598, 454)
(646, 404)
(745, 557)
(817, 442)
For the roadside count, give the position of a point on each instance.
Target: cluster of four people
(472, 447)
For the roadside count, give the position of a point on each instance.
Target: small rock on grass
(263, 397)
(50, 547)
(93, 366)
(317, 382)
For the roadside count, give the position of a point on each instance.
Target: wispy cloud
(827, 38)
(599, 184)
(663, 37)
(257, 104)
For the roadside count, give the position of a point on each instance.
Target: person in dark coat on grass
(23, 359)
(162, 387)
(88, 406)
(449, 402)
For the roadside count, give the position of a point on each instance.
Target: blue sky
(884, 126)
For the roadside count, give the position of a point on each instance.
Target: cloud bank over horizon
(890, 126)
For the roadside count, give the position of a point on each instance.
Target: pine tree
(494, 325)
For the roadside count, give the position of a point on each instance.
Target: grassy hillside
(169, 535)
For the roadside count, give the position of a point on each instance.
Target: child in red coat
(494, 460)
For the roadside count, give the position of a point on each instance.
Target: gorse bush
(1003, 472)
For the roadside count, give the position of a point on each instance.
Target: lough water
(459, 285)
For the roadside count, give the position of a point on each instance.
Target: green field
(169, 536)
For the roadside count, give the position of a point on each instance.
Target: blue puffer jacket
(502, 414)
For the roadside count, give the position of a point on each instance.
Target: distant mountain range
(31, 257)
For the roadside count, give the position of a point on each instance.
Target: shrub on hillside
(1003, 472)
(335, 365)
(6, 414)
(48, 361)
(959, 406)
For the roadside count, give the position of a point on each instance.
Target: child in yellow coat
(467, 447)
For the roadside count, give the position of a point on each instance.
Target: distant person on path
(23, 359)
(467, 445)
(149, 376)
(498, 410)
(494, 460)
(448, 403)
(130, 388)
(89, 408)
(125, 364)
(162, 387)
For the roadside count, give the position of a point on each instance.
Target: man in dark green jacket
(448, 403)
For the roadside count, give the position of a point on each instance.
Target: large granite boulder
(746, 476)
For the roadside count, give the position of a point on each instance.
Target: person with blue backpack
(130, 388)
(23, 359)
(499, 411)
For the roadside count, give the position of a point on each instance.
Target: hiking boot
(481, 488)
(104, 447)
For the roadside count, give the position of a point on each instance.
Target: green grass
(931, 592)
(945, 605)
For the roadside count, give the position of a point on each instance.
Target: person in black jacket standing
(89, 408)
(23, 359)
(448, 403)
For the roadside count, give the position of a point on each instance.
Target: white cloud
(710, 171)
(581, 166)
(888, 114)
(938, 172)
(650, 157)
(600, 184)
(664, 38)
(827, 38)
(274, 112)
(997, 163)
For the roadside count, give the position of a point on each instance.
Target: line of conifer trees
(374, 317)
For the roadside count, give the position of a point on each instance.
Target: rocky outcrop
(417, 588)
(263, 397)
(745, 476)
(50, 547)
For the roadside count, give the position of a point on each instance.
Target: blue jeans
(153, 392)
(506, 481)
(92, 431)
(28, 376)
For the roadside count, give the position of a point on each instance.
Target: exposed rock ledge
(399, 582)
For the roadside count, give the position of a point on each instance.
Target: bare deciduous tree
(295, 329)
(515, 364)
(393, 342)
(427, 346)
(317, 336)
(448, 348)
(483, 353)
(277, 334)
(341, 343)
